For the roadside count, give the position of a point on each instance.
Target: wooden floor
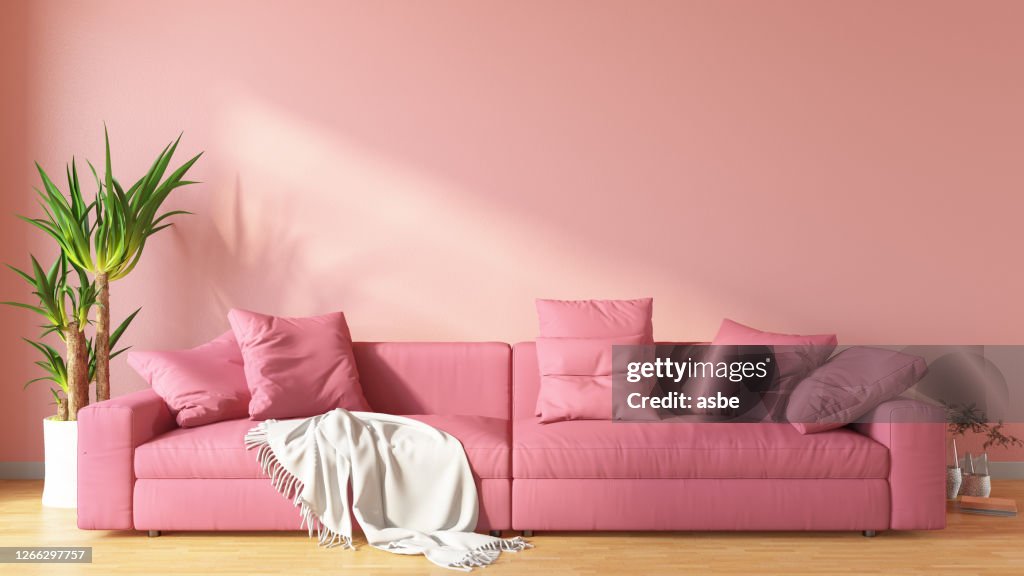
(971, 545)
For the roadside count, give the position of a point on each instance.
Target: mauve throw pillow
(574, 353)
(850, 385)
(297, 367)
(796, 356)
(202, 385)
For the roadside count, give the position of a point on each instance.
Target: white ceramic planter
(60, 488)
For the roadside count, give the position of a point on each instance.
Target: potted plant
(964, 418)
(125, 219)
(68, 378)
(65, 312)
(105, 239)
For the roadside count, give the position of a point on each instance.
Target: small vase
(968, 471)
(979, 485)
(954, 477)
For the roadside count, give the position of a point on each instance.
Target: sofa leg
(869, 533)
(495, 533)
(154, 533)
(527, 533)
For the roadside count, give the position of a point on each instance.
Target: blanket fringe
(486, 555)
(291, 488)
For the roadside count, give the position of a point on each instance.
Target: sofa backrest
(525, 380)
(526, 377)
(448, 378)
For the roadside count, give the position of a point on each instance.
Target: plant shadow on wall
(358, 229)
(99, 241)
(261, 249)
(241, 252)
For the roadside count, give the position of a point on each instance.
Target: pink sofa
(603, 475)
(138, 470)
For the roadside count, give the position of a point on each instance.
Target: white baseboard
(21, 470)
(1007, 470)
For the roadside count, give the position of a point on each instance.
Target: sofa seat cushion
(605, 449)
(487, 441)
(218, 450)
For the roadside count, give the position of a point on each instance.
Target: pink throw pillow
(576, 378)
(202, 385)
(596, 318)
(574, 353)
(796, 356)
(297, 367)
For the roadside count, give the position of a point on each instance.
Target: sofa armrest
(915, 434)
(108, 433)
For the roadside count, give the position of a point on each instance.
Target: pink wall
(20, 429)
(430, 168)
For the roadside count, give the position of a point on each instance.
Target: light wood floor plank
(970, 545)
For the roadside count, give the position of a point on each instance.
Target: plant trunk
(103, 339)
(78, 371)
(62, 409)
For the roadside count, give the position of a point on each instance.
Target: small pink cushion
(297, 367)
(796, 356)
(203, 385)
(574, 354)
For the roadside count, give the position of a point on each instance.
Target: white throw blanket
(412, 489)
